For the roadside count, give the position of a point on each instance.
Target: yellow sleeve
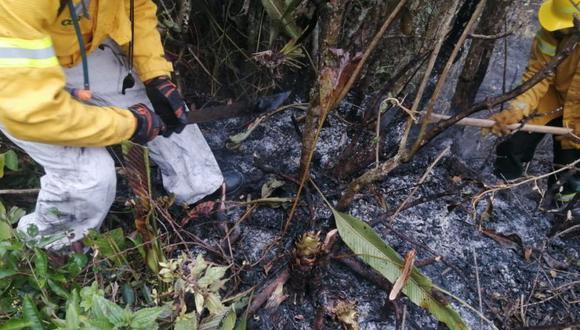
(34, 105)
(149, 54)
(543, 49)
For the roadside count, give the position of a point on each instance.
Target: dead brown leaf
(405, 273)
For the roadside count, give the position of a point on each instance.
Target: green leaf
(11, 160)
(229, 321)
(145, 318)
(199, 302)
(189, 323)
(57, 289)
(363, 241)
(5, 231)
(97, 324)
(2, 164)
(235, 141)
(15, 325)
(41, 267)
(5, 273)
(104, 308)
(110, 244)
(211, 322)
(212, 274)
(276, 9)
(271, 185)
(88, 294)
(31, 314)
(214, 304)
(128, 294)
(14, 215)
(242, 323)
(73, 311)
(76, 263)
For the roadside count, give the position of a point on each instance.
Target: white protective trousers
(79, 184)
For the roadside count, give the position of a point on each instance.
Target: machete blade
(271, 102)
(237, 109)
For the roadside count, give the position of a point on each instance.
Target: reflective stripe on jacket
(34, 105)
(561, 90)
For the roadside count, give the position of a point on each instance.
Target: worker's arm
(34, 105)
(543, 49)
(149, 54)
(523, 106)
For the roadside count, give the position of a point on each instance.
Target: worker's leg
(76, 192)
(563, 157)
(187, 164)
(514, 152)
(520, 147)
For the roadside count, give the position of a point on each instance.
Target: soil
(520, 266)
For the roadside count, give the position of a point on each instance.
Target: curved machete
(237, 109)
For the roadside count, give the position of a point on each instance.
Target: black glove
(149, 124)
(168, 104)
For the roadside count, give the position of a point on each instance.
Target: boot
(234, 181)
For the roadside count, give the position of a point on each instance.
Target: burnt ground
(526, 278)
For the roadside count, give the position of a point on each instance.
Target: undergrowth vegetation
(388, 61)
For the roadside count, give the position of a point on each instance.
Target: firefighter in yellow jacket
(554, 101)
(42, 43)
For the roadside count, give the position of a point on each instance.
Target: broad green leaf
(97, 324)
(76, 263)
(88, 294)
(199, 266)
(41, 267)
(14, 214)
(31, 314)
(5, 273)
(128, 294)
(190, 323)
(11, 160)
(229, 321)
(73, 311)
(363, 241)
(2, 211)
(57, 289)
(15, 325)
(242, 323)
(104, 308)
(211, 322)
(5, 231)
(145, 318)
(212, 274)
(110, 244)
(276, 9)
(214, 305)
(199, 302)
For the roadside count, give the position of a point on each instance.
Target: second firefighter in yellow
(554, 101)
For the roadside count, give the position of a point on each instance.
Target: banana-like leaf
(363, 241)
(15, 325)
(277, 11)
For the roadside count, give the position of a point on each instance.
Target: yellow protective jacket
(35, 43)
(561, 90)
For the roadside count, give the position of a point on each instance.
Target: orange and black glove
(149, 124)
(513, 114)
(168, 104)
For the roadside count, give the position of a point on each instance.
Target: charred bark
(479, 56)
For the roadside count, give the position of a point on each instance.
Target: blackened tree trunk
(479, 55)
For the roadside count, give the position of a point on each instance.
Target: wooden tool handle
(486, 123)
